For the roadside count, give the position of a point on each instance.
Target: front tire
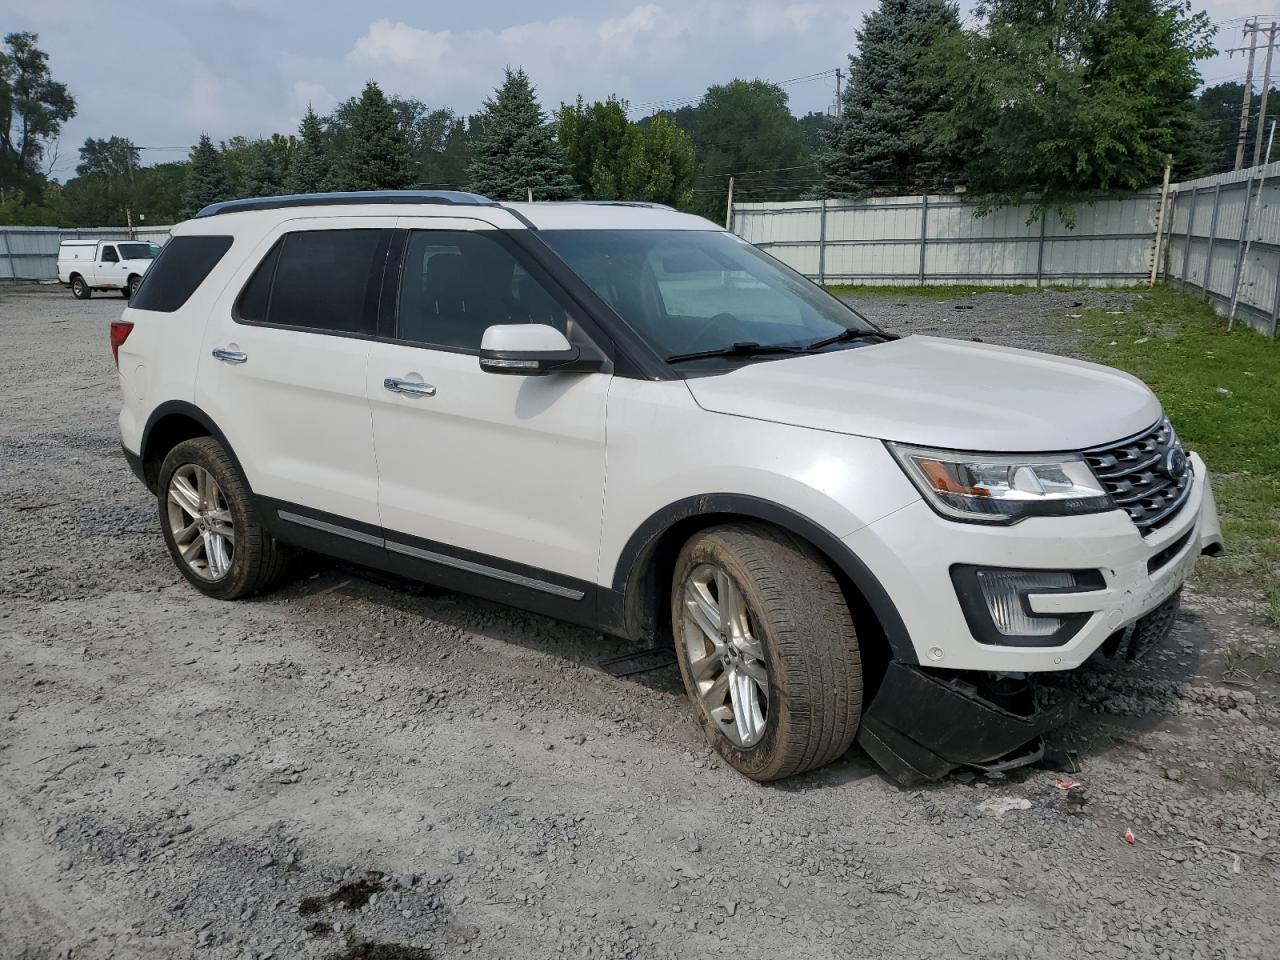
(79, 289)
(767, 649)
(211, 524)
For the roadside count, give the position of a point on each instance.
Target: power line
(654, 106)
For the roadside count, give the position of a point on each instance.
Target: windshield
(689, 291)
(138, 251)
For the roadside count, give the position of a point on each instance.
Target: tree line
(1059, 101)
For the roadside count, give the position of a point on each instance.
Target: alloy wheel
(726, 661)
(200, 521)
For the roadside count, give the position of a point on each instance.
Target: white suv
(624, 417)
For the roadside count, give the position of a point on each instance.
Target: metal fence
(1223, 240)
(31, 253)
(938, 239)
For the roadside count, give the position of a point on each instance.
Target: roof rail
(647, 204)
(456, 197)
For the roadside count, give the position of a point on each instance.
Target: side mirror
(530, 349)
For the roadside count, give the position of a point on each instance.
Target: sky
(160, 73)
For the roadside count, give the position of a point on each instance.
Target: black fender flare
(189, 410)
(638, 549)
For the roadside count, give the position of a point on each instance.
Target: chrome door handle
(230, 356)
(410, 387)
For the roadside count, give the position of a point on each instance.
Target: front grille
(1136, 474)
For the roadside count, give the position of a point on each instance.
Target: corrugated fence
(937, 239)
(31, 253)
(1223, 240)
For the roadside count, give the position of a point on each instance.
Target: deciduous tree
(1067, 100)
(33, 108)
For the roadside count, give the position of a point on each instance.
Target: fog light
(996, 606)
(1003, 591)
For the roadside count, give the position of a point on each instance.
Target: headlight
(995, 488)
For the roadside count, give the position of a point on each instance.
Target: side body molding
(621, 612)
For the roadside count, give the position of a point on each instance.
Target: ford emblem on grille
(1175, 463)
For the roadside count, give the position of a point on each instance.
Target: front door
(493, 479)
(107, 270)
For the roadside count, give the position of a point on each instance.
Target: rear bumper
(135, 464)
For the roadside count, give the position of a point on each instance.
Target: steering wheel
(710, 325)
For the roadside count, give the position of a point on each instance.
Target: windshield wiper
(845, 336)
(744, 349)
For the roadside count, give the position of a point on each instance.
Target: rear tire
(211, 523)
(79, 289)
(792, 645)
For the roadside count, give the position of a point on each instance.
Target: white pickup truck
(89, 265)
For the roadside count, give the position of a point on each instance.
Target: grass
(1222, 391)
(921, 293)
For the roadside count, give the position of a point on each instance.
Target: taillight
(120, 330)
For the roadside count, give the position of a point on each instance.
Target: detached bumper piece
(923, 724)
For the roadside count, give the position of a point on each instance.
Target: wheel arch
(169, 424)
(636, 604)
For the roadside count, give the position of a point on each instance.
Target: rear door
(283, 370)
(496, 478)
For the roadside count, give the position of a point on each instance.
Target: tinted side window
(318, 279)
(180, 268)
(109, 255)
(456, 283)
(256, 296)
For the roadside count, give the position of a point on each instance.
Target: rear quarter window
(178, 271)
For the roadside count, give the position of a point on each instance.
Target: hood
(137, 266)
(939, 393)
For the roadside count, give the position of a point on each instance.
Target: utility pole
(1243, 257)
(728, 209)
(837, 93)
(1251, 30)
(1164, 196)
(1266, 87)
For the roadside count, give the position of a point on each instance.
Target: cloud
(401, 43)
(645, 52)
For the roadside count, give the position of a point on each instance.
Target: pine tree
(262, 177)
(206, 180)
(310, 170)
(879, 146)
(376, 154)
(515, 149)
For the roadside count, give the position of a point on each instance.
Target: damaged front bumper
(922, 723)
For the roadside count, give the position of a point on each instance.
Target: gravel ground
(352, 767)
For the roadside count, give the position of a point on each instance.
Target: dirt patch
(383, 951)
(349, 896)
